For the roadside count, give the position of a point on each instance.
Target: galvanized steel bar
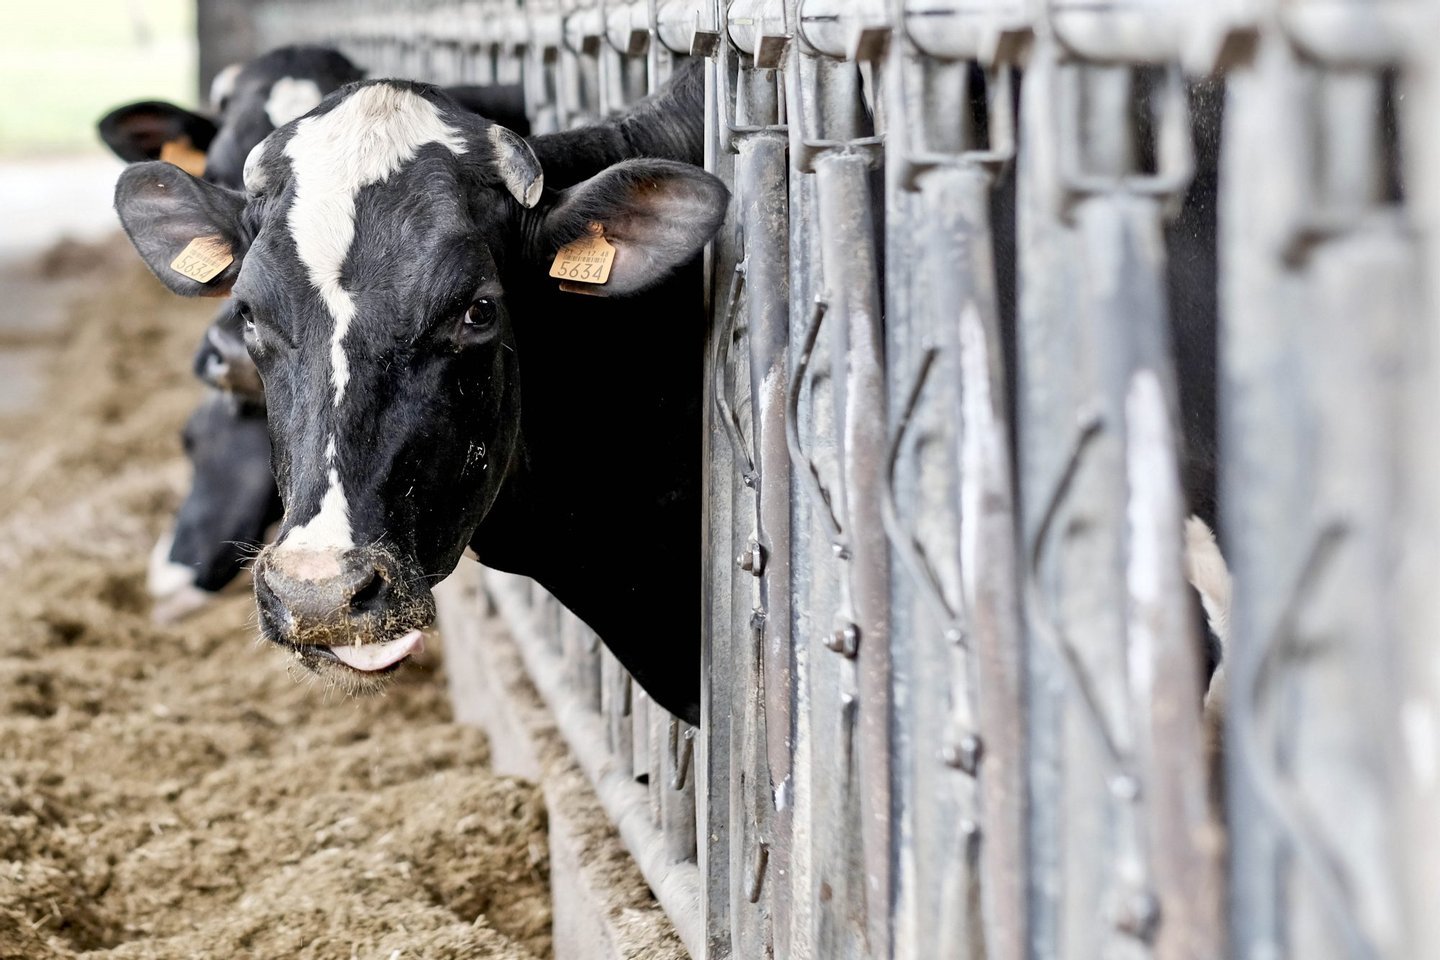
(836, 143)
(1107, 604)
(1325, 239)
(960, 767)
(676, 882)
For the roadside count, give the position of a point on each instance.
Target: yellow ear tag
(586, 260)
(183, 154)
(203, 259)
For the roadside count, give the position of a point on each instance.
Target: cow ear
(187, 231)
(140, 131)
(657, 214)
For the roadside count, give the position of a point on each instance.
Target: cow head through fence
(379, 259)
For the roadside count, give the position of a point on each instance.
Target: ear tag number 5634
(203, 259)
(586, 260)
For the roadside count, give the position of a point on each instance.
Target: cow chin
(351, 620)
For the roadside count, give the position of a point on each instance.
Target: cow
(223, 519)
(252, 99)
(430, 386)
(222, 362)
(249, 101)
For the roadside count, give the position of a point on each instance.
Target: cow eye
(478, 325)
(481, 314)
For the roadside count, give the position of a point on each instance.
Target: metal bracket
(1045, 625)
(1285, 808)
(907, 546)
(728, 418)
(809, 473)
(1000, 109)
(1175, 151)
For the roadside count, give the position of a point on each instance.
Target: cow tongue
(378, 656)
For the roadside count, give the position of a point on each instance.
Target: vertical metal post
(1120, 828)
(1310, 497)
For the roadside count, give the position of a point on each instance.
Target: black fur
(232, 498)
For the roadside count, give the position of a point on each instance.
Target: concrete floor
(42, 201)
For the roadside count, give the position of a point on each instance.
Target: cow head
(380, 253)
(223, 361)
(249, 100)
(222, 521)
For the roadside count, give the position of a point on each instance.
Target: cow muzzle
(360, 610)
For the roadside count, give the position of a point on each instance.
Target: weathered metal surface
(953, 669)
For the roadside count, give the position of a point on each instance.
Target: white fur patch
(224, 84)
(253, 173)
(290, 98)
(370, 135)
(1207, 572)
(163, 576)
(329, 529)
(367, 137)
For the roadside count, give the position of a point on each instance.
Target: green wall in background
(64, 63)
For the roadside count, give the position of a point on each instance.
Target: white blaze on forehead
(330, 528)
(289, 98)
(367, 137)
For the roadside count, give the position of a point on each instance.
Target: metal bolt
(845, 641)
(965, 755)
(1138, 916)
(753, 559)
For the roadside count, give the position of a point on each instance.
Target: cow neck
(668, 125)
(608, 463)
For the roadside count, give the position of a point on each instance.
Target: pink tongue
(378, 656)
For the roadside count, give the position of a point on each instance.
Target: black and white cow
(253, 99)
(250, 101)
(430, 387)
(223, 519)
(223, 362)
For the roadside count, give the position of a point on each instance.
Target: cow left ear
(141, 131)
(657, 214)
(187, 231)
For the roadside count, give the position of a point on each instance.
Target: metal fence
(953, 675)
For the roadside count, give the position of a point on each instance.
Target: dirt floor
(174, 792)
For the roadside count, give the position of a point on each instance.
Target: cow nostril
(371, 594)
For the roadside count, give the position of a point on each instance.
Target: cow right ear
(187, 231)
(140, 131)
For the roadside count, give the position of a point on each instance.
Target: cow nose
(324, 587)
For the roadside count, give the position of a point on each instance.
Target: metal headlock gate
(953, 671)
